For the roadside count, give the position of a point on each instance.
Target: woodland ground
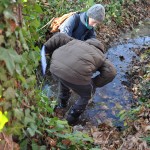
(136, 136)
(109, 138)
(137, 12)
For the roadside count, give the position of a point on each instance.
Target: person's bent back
(73, 64)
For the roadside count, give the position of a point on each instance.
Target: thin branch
(47, 24)
(106, 141)
(7, 142)
(19, 14)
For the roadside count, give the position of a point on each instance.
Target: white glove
(43, 60)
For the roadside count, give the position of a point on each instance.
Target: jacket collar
(84, 19)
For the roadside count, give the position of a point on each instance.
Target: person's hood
(96, 43)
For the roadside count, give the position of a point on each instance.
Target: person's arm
(68, 25)
(52, 44)
(56, 41)
(107, 74)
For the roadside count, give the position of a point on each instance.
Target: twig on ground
(47, 24)
(7, 143)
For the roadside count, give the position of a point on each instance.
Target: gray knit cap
(96, 12)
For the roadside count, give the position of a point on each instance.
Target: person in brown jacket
(73, 63)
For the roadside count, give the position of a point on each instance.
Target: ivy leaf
(9, 15)
(34, 146)
(35, 23)
(18, 69)
(28, 120)
(31, 131)
(1, 39)
(23, 41)
(3, 75)
(35, 56)
(18, 113)
(43, 147)
(15, 128)
(23, 145)
(1, 89)
(90, 2)
(10, 57)
(38, 8)
(9, 93)
(9, 83)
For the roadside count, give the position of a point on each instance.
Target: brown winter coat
(75, 61)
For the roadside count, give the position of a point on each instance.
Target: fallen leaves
(106, 136)
(6, 142)
(66, 142)
(13, 25)
(131, 138)
(51, 142)
(1, 31)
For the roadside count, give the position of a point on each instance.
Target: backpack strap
(77, 20)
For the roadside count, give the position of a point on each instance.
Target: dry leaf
(1, 31)
(13, 25)
(51, 141)
(66, 142)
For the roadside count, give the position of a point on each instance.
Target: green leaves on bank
(11, 58)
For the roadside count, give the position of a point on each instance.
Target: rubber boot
(63, 103)
(73, 116)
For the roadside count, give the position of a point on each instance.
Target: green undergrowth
(31, 122)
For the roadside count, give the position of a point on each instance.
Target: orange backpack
(56, 22)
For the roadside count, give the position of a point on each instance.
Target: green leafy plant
(30, 117)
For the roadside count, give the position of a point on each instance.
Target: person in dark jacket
(81, 25)
(73, 63)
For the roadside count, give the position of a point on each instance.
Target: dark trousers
(85, 93)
